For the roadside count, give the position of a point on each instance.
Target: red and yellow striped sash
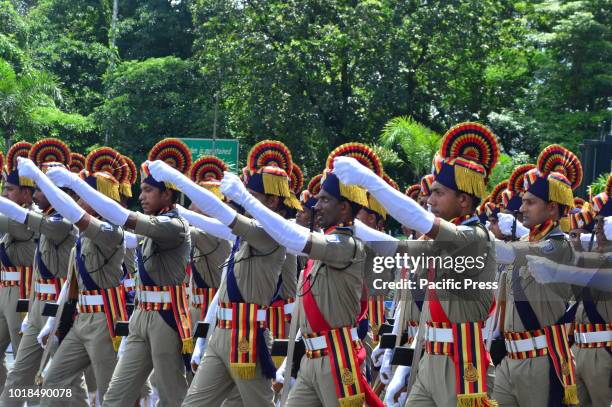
(585, 328)
(562, 360)
(471, 361)
(25, 280)
(182, 317)
(376, 316)
(277, 319)
(114, 309)
(516, 336)
(345, 367)
(243, 350)
(153, 306)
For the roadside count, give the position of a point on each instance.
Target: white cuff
(206, 201)
(286, 233)
(12, 210)
(103, 205)
(403, 208)
(130, 240)
(207, 224)
(382, 243)
(60, 200)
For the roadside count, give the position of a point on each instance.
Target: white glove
(198, 351)
(280, 372)
(12, 210)
(56, 197)
(504, 252)
(206, 224)
(103, 205)
(376, 356)
(399, 381)
(24, 323)
(45, 332)
(382, 243)
(546, 271)
(505, 225)
(608, 227)
(204, 199)
(130, 240)
(122, 347)
(406, 210)
(286, 233)
(385, 367)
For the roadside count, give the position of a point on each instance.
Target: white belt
(288, 308)
(319, 342)
(154, 296)
(443, 334)
(526, 345)
(10, 276)
(129, 282)
(90, 299)
(45, 288)
(592, 337)
(226, 314)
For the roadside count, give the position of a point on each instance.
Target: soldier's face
(535, 211)
(328, 209)
(153, 199)
(17, 194)
(369, 219)
(41, 200)
(446, 203)
(304, 217)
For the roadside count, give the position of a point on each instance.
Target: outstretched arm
(406, 210)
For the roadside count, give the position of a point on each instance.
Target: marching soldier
(593, 329)
(510, 217)
(17, 247)
(57, 238)
(238, 353)
(535, 315)
(413, 192)
(448, 374)
(208, 252)
(493, 206)
(332, 287)
(160, 328)
(98, 252)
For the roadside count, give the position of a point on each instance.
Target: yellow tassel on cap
(356, 400)
(570, 395)
(26, 182)
(170, 185)
(108, 187)
(564, 224)
(243, 371)
(125, 190)
(354, 193)
(276, 185)
(214, 189)
(187, 345)
(469, 181)
(374, 205)
(560, 192)
(293, 202)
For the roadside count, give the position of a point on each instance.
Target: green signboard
(225, 149)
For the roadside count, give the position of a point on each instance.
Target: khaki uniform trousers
(87, 343)
(593, 376)
(213, 384)
(151, 345)
(10, 325)
(28, 360)
(517, 379)
(435, 382)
